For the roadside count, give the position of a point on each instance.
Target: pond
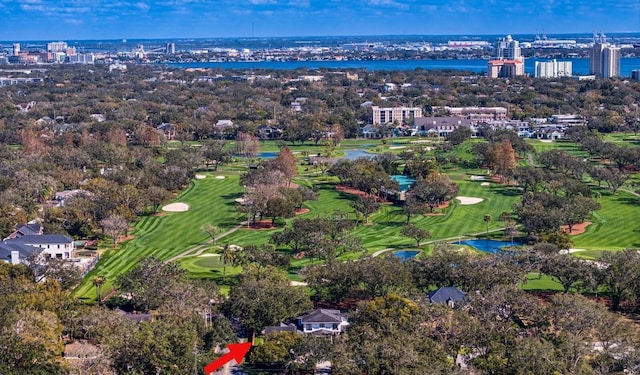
(406, 254)
(404, 182)
(268, 155)
(488, 246)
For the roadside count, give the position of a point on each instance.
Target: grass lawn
(211, 200)
(615, 225)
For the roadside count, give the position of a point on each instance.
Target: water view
(404, 182)
(488, 246)
(406, 254)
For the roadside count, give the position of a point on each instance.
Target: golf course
(177, 235)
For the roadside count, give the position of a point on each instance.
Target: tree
(247, 146)
(418, 234)
(434, 190)
(157, 196)
(621, 274)
(459, 135)
(285, 162)
(413, 205)
(98, 282)
(576, 209)
(150, 282)
(265, 298)
(211, 230)
(365, 206)
(113, 226)
(487, 220)
(566, 269)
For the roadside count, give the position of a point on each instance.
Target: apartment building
(388, 115)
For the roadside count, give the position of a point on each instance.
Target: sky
(121, 19)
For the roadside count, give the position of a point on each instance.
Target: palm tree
(98, 281)
(228, 257)
(487, 219)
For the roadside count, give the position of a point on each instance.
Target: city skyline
(96, 19)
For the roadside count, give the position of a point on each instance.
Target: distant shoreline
(580, 65)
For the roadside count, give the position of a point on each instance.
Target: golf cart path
(201, 248)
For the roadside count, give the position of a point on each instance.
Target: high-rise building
(56, 46)
(507, 61)
(604, 59)
(391, 114)
(170, 48)
(635, 74)
(552, 69)
(16, 49)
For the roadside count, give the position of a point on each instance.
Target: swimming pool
(404, 182)
(488, 246)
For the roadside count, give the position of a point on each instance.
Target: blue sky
(101, 19)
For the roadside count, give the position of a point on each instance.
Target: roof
(42, 239)
(445, 294)
(282, 327)
(322, 316)
(29, 229)
(6, 247)
(434, 122)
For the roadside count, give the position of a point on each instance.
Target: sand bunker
(298, 283)
(485, 184)
(396, 147)
(200, 177)
(208, 255)
(469, 200)
(220, 177)
(476, 178)
(176, 207)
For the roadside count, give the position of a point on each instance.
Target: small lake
(488, 246)
(404, 182)
(406, 254)
(268, 155)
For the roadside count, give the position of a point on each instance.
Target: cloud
(388, 3)
(262, 2)
(142, 6)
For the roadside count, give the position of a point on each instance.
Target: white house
(323, 321)
(55, 245)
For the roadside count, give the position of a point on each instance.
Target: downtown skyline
(96, 19)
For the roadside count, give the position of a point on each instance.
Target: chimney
(15, 257)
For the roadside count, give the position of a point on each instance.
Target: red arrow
(236, 351)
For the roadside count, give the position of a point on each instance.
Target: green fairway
(615, 225)
(210, 200)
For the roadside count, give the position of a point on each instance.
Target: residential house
(224, 128)
(440, 126)
(282, 327)
(53, 245)
(16, 252)
(323, 321)
(168, 130)
(29, 229)
(447, 294)
(269, 132)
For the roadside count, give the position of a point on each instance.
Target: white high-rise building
(507, 60)
(604, 59)
(16, 49)
(553, 69)
(57, 46)
(390, 114)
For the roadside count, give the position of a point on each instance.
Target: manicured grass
(210, 200)
(615, 225)
(536, 282)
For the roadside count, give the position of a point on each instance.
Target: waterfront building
(390, 114)
(604, 59)
(57, 46)
(507, 60)
(170, 48)
(552, 69)
(635, 75)
(16, 49)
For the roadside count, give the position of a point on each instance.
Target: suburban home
(447, 294)
(29, 229)
(440, 126)
(282, 327)
(16, 252)
(370, 131)
(55, 245)
(269, 132)
(323, 322)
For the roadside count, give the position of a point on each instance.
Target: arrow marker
(236, 351)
